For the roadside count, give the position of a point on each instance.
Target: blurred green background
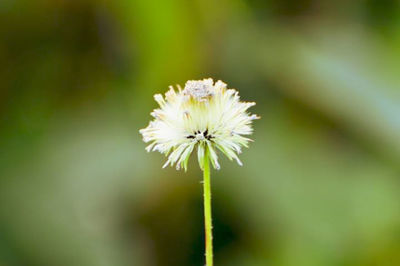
(319, 186)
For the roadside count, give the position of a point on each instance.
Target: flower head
(203, 115)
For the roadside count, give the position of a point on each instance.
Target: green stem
(207, 209)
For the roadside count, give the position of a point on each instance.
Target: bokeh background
(319, 186)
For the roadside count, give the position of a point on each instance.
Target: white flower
(204, 115)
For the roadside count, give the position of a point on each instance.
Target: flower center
(198, 135)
